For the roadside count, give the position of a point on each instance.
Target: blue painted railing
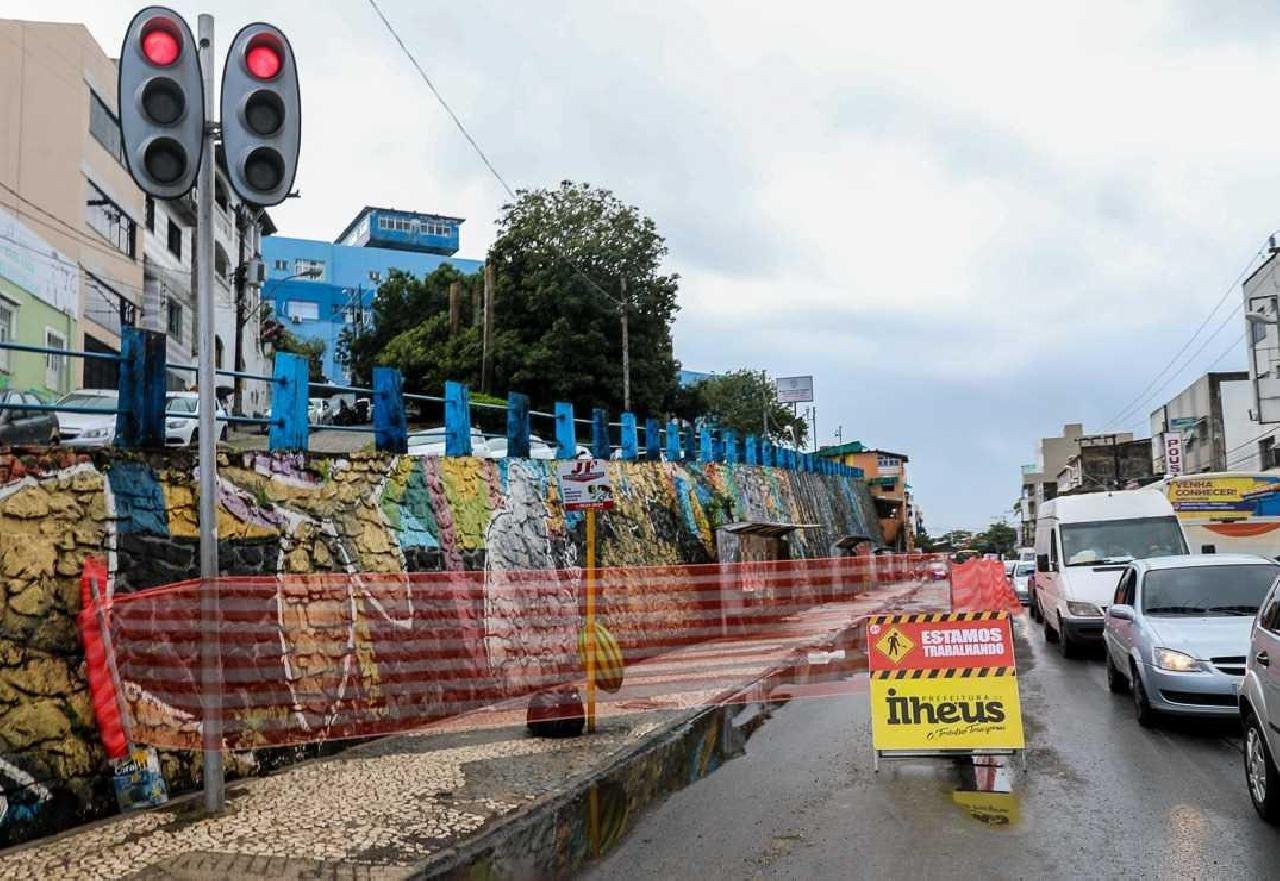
(140, 415)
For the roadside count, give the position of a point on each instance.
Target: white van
(1083, 543)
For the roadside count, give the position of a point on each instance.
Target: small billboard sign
(585, 485)
(794, 389)
(1182, 423)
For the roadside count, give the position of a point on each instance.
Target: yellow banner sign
(977, 711)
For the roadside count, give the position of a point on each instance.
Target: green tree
(562, 258)
(998, 538)
(312, 349)
(737, 400)
(560, 262)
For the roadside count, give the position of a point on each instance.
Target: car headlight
(1175, 662)
(1084, 610)
(174, 423)
(95, 433)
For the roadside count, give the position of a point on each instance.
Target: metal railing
(141, 415)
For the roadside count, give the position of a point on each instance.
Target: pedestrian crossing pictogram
(894, 645)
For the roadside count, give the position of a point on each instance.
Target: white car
(431, 442)
(319, 412)
(88, 429)
(181, 410)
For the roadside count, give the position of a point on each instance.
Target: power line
(1129, 408)
(511, 193)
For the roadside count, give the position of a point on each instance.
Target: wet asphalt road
(1101, 798)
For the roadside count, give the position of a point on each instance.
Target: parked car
(319, 412)
(1020, 579)
(19, 426)
(1083, 544)
(1178, 628)
(431, 442)
(181, 425)
(1260, 708)
(88, 429)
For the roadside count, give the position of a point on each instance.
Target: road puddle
(986, 791)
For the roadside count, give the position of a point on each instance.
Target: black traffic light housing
(161, 96)
(261, 114)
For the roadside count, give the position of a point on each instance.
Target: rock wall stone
(290, 514)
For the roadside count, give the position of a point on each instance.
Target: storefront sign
(1226, 497)
(1172, 453)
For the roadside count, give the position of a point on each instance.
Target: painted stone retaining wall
(295, 514)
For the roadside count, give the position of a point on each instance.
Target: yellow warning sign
(894, 645)
(980, 711)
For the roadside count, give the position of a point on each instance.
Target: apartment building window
(110, 220)
(301, 310)
(175, 240)
(375, 275)
(220, 194)
(220, 262)
(151, 214)
(105, 126)
(8, 316)
(1268, 455)
(174, 320)
(313, 268)
(55, 366)
(280, 265)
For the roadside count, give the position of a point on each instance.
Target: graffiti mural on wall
(296, 515)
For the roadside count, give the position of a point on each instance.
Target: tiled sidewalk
(379, 809)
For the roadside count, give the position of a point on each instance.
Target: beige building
(61, 174)
(1040, 480)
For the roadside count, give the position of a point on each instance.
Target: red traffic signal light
(263, 58)
(161, 42)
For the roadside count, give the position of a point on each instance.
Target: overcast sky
(971, 222)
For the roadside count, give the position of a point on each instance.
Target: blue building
(317, 288)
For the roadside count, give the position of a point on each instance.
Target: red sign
(937, 641)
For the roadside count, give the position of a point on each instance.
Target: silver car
(1178, 628)
(1260, 709)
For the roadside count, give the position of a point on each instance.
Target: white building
(1213, 417)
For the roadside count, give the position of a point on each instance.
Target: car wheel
(195, 439)
(1066, 644)
(1260, 772)
(1036, 613)
(1116, 683)
(54, 439)
(1050, 635)
(1141, 705)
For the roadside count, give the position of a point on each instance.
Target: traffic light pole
(210, 650)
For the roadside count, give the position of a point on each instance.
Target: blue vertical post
(140, 422)
(566, 434)
(673, 441)
(390, 428)
(600, 448)
(706, 447)
(652, 440)
(630, 438)
(766, 452)
(731, 446)
(517, 426)
(749, 453)
(457, 419)
(289, 403)
(690, 442)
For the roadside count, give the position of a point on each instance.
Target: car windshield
(1207, 590)
(1024, 569)
(1118, 541)
(179, 404)
(92, 402)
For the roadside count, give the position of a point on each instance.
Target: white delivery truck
(1083, 543)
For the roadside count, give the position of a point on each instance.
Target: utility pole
(626, 351)
(455, 305)
(486, 357)
(210, 666)
(764, 400)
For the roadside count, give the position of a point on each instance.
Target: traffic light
(161, 97)
(261, 114)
